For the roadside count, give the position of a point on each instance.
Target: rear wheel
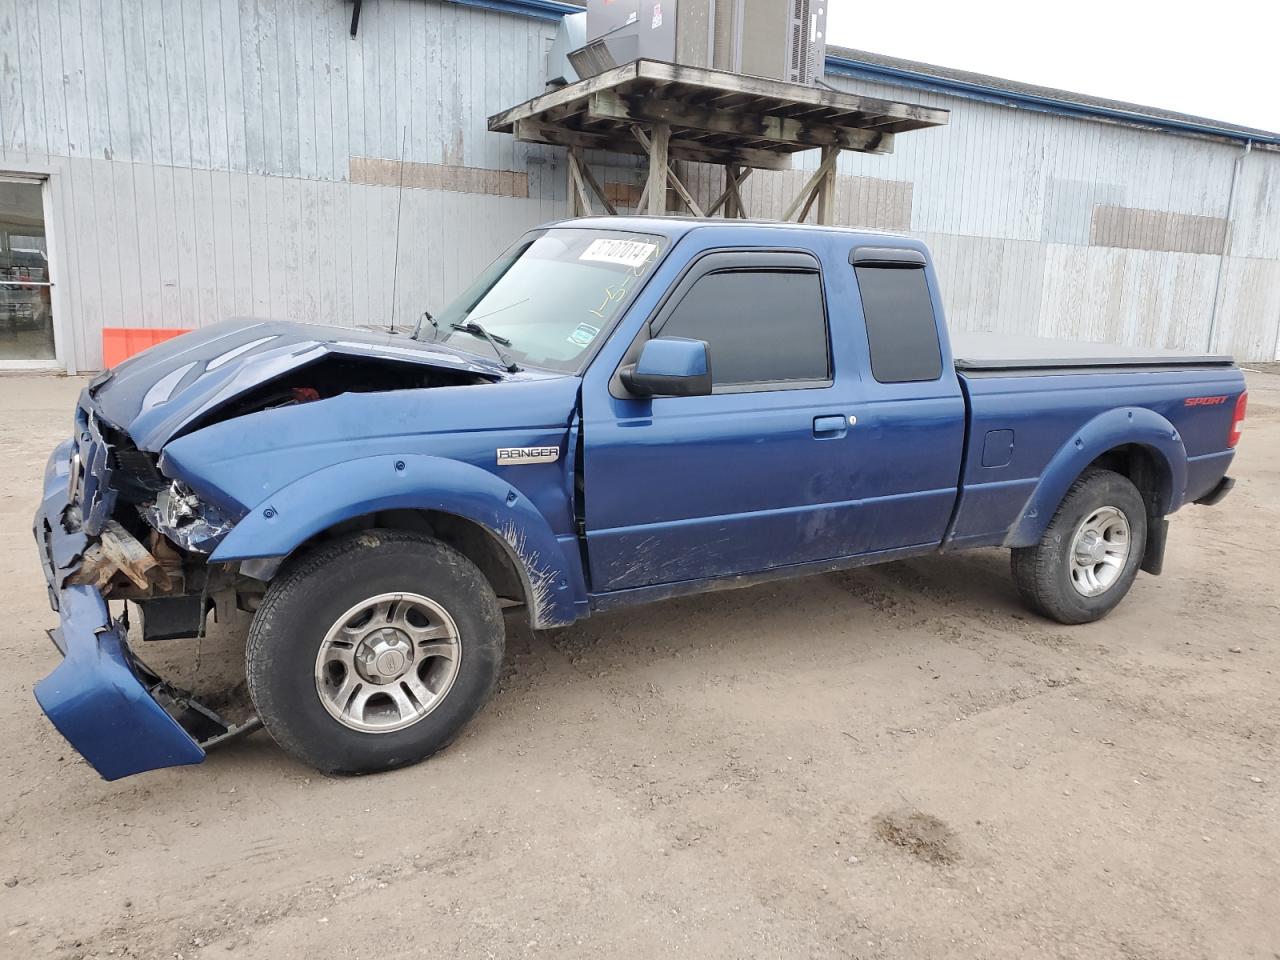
(373, 651)
(1090, 553)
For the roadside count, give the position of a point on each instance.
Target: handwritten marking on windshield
(612, 293)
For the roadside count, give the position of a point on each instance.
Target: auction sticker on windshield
(629, 253)
(583, 334)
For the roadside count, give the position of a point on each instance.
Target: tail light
(1237, 419)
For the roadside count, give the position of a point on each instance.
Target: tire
(299, 694)
(1050, 578)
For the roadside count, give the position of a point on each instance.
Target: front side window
(762, 326)
(553, 295)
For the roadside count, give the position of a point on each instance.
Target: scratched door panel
(682, 488)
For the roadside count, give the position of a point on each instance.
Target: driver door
(747, 478)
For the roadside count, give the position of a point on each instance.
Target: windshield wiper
(476, 330)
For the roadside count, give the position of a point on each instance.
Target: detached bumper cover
(97, 701)
(99, 696)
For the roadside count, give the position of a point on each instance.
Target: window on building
(763, 327)
(901, 331)
(26, 312)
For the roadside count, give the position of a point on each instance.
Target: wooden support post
(731, 201)
(811, 185)
(644, 198)
(596, 188)
(572, 187)
(684, 193)
(657, 149)
(581, 205)
(658, 182)
(808, 205)
(731, 198)
(736, 187)
(827, 186)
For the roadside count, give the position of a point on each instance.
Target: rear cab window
(902, 333)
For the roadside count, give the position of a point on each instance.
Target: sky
(1217, 60)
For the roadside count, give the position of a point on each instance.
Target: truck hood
(160, 393)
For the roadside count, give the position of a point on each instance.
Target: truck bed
(999, 352)
(1025, 413)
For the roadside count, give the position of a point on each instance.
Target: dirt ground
(897, 762)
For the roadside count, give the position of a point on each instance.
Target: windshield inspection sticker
(629, 253)
(583, 334)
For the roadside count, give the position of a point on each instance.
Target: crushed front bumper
(97, 698)
(101, 698)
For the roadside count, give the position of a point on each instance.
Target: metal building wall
(215, 158)
(205, 155)
(1057, 226)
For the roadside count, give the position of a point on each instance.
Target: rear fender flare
(317, 502)
(1115, 428)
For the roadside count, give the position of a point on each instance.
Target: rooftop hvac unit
(571, 35)
(778, 39)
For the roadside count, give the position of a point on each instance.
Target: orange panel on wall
(121, 343)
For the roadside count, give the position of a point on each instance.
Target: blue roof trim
(975, 91)
(540, 9)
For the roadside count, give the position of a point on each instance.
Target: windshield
(552, 295)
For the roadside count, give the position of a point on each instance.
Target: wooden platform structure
(671, 112)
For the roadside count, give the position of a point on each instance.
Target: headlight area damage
(112, 528)
(177, 513)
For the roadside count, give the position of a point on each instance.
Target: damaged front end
(137, 502)
(110, 527)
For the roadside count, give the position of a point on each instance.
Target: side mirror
(669, 367)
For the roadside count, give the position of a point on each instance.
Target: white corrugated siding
(1006, 199)
(199, 154)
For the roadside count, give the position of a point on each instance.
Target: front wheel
(1090, 553)
(373, 651)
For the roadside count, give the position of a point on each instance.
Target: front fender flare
(354, 488)
(1115, 428)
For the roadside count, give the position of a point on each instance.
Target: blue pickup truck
(618, 410)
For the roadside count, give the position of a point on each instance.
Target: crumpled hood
(156, 394)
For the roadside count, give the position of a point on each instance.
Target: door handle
(830, 428)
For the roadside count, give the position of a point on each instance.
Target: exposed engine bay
(337, 374)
